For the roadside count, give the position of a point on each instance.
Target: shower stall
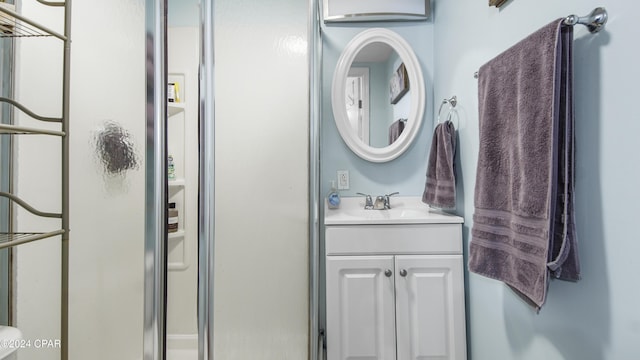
(234, 276)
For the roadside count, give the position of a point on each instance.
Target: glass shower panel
(109, 159)
(108, 182)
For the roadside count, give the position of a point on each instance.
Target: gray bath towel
(524, 227)
(440, 187)
(395, 130)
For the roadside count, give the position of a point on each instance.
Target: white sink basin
(9, 340)
(404, 210)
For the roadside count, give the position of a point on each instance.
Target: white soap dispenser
(333, 198)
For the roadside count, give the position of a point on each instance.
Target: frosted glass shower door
(261, 187)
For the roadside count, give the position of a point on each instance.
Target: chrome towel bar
(595, 22)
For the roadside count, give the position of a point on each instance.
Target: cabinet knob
(403, 272)
(388, 273)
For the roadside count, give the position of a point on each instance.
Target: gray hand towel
(440, 187)
(524, 227)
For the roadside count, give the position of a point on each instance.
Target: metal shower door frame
(155, 285)
(155, 243)
(206, 188)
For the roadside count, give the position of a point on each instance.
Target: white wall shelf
(176, 235)
(175, 108)
(179, 241)
(179, 182)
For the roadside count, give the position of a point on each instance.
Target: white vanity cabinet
(395, 291)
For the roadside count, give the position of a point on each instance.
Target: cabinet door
(360, 308)
(430, 307)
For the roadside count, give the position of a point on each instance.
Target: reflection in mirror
(357, 101)
(377, 98)
(377, 95)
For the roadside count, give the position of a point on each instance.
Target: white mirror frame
(416, 82)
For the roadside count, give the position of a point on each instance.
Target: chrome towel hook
(453, 101)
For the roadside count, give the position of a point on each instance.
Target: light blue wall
(598, 317)
(405, 174)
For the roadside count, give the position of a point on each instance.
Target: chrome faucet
(368, 203)
(382, 201)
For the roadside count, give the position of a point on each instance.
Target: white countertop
(404, 210)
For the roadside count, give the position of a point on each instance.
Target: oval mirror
(377, 95)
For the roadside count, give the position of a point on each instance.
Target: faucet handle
(368, 202)
(387, 203)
